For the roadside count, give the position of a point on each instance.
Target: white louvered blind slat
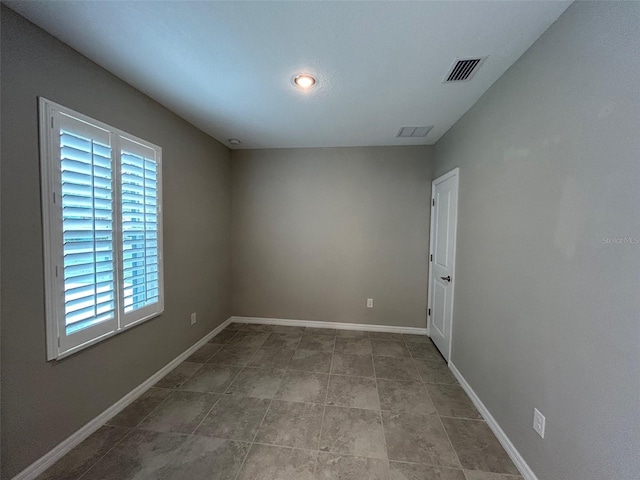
(87, 227)
(139, 230)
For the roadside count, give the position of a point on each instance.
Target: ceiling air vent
(406, 132)
(463, 69)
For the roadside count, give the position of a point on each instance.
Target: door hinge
(51, 122)
(433, 202)
(58, 342)
(56, 270)
(54, 197)
(428, 312)
(431, 258)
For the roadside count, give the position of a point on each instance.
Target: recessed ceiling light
(304, 81)
(234, 141)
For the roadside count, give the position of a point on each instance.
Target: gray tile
(356, 365)
(425, 350)
(395, 368)
(271, 358)
(452, 401)
(434, 372)
(386, 348)
(418, 439)
(476, 475)
(180, 412)
(235, 326)
(333, 466)
(288, 329)
(258, 327)
(140, 455)
(310, 361)
(356, 392)
(409, 338)
(282, 340)
(232, 355)
(405, 397)
(257, 382)
(235, 418)
(86, 454)
(178, 375)
(206, 458)
(414, 471)
(140, 408)
(265, 462)
(319, 343)
(212, 378)
(352, 334)
(386, 336)
(204, 353)
(249, 339)
(353, 346)
(292, 425)
(224, 336)
(352, 431)
(331, 332)
(477, 447)
(307, 387)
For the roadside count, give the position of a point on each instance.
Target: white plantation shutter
(87, 226)
(102, 222)
(85, 265)
(140, 221)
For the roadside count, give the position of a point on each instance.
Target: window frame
(58, 343)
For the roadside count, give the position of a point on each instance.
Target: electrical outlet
(538, 422)
(193, 318)
(369, 302)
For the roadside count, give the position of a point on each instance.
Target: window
(102, 217)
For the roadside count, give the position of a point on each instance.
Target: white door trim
(440, 179)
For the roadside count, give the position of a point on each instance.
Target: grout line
(228, 340)
(317, 451)
(464, 418)
(324, 407)
(384, 435)
(450, 442)
(413, 358)
(435, 407)
(253, 441)
(351, 376)
(105, 454)
(155, 408)
(207, 414)
(177, 387)
(286, 446)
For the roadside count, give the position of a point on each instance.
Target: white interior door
(444, 218)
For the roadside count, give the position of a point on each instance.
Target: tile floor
(264, 402)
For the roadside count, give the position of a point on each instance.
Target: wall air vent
(463, 69)
(412, 132)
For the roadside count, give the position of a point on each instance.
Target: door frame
(453, 173)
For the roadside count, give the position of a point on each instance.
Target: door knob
(447, 278)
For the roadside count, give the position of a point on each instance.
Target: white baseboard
(514, 454)
(46, 461)
(339, 326)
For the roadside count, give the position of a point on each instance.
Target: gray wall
(43, 403)
(546, 314)
(318, 231)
